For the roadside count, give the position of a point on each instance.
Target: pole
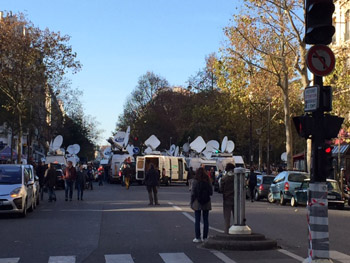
(250, 136)
(268, 138)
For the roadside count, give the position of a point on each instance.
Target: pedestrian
(70, 174)
(81, 181)
(201, 203)
(190, 178)
(100, 172)
(90, 175)
(50, 179)
(40, 172)
(212, 175)
(227, 190)
(127, 175)
(252, 181)
(152, 183)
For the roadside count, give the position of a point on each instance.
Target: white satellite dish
(130, 149)
(57, 142)
(148, 150)
(198, 144)
(213, 145)
(284, 157)
(76, 148)
(176, 151)
(186, 147)
(119, 137)
(152, 142)
(126, 138)
(172, 149)
(107, 152)
(70, 149)
(224, 144)
(230, 146)
(207, 154)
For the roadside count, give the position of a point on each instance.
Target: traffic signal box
(325, 162)
(319, 28)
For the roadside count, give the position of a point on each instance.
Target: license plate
(331, 197)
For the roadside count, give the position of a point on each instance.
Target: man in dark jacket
(227, 190)
(127, 172)
(252, 181)
(40, 172)
(81, 181)
(70, 174)
(50, 179)
(152, 182)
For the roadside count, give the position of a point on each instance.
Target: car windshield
(10, 175)
(295, 177)
(268, 180)
(333, 186)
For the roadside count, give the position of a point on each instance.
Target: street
(113, 224)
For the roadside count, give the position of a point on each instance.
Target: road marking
(175, 258)
(120, 258)
(292, 255)
(62, 259)
(339, 256)
(222, 256)
(9, 260)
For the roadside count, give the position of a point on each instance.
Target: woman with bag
(200, 202)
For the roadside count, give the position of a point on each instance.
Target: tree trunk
(287, 125)
(19, 142)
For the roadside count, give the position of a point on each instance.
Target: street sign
(311, 98)
(136, 150)
(320, 60)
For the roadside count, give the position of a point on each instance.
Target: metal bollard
(239, 226)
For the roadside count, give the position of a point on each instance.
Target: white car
(17, 191)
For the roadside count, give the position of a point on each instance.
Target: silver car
(16, 189)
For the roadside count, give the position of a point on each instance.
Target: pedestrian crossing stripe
(62, 259)
(125, 258)
(175, 258)
(9, 260)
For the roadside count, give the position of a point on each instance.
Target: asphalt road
(116, 225)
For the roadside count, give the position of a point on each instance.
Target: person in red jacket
(70, 174)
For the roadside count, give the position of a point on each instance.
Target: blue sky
(118, 41)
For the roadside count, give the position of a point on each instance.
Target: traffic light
(326, 169)
(318, 22)
(304, 125)
(331, 126)
(325, 103)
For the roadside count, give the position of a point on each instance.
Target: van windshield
(10, 175)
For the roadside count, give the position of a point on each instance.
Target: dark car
(334, 195)
(263, 186)
(132, 166)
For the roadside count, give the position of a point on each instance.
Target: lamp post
(268, 135)
(250, 131)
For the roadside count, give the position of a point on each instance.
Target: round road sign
(320, 60)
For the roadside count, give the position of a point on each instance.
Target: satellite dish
(126, 138)
(130, 149)
(176, 151)
(284, 157)
(186, 147)
(198, 144)
(148, 150)
(224, 144)
(207, 154)
(152, 142)
(76, 148)
(57, 142)
(172, 149)
(119, 137)
(107, 152)
(70, 149)
(213, 145)
(230, 146)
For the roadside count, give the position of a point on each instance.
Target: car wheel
(24, 212)
(282, 200)
(256, 196)
(270, 198)
(293, 202)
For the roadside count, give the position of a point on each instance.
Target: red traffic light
(328, 150)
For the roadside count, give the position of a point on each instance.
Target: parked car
(284, 184)
(263, 186)
(16, 189)
(334, 195)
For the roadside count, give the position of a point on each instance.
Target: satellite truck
(174, 165)
(120, 151)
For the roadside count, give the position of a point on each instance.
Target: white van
(175, 167)
(197, 162)
(114, 166)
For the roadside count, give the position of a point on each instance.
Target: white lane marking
(222, 256)
(9, 260)
(120, 258)
(62, 259)
(339, 256)
(292, 255)
(175, 258)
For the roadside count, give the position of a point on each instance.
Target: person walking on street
(190, 178)
(70, 174)
(80, 182)
(152, 182)
(100, 171)
(40, 172)
(127, 175)
(201, 203)
(50, 179)
(90, 175)
(252, 181)
(227, 190)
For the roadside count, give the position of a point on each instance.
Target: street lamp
(268, 135)
(250, 130)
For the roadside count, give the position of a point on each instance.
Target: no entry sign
(320, 60)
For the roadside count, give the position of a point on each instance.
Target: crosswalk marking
(175, 258)
(9, 260)
(222, 256)
(62, 259)
(339, 256)
(120, 258)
